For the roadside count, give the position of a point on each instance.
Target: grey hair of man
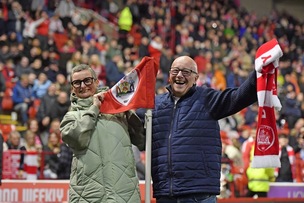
(82, 67)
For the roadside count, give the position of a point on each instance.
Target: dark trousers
(193, 198)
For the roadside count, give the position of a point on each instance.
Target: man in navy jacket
(186, 143)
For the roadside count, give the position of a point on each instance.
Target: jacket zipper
(169, 151)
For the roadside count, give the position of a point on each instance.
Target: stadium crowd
(40, 42)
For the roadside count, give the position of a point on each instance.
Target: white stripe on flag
(265, 98)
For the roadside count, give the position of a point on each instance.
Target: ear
(196, 77)
(97, 82)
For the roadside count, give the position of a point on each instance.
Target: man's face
(84, 90)
(15, 140)
(183, 75)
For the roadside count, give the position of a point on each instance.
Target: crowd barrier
(32, 162)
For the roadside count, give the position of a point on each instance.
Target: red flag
(135, 90)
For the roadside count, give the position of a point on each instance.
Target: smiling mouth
(180, 82)
(83, 90)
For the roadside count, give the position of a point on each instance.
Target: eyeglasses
(185, 72)
(87, 81)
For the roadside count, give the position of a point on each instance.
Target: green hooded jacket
(103, 167)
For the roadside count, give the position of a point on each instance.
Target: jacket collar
(188, 94)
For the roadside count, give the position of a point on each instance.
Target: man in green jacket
(103, 167)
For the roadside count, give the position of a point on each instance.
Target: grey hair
(81, 67)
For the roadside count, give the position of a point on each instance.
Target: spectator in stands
(81, 21)
(30, 26)
(300, 156)
(29, 168)
(182, 179)
(31, 77)
(102, 45)
(143, 47)
(53, 126)
(58, 157)
(22, 97)
(34, 57)
(236, 76)
(2, 86)
(111, 149)
(52, 70)
(14, 141)
(155, 48)
(218, 80)
(2, 19)
(165, 61)
(258, 179)
(226, 166)
(4, 51)
(55, 25)
(89, 47)
(301, 143)
(62, 84)
(65, 9)
(41, 85)
(60, 106)
(65, 162)
(287, 158)
(8, 71)
(232, 150)
(12, 38)
(51, 155)
(99, 69)
(37, 6)
(45, 58)
(26, 5)
(16, 20)
(37, 67)
(251, 114)
(14, 51)
(125, 22)
(51, 6)
(43, 29)
(113, 70)
(76, 36)
(33, 126)
(113, 49)
(84, 59)
(247, 147)
(291, 106)
(74, 60)
(23, 67)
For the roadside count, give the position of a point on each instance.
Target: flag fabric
(134, 90)
(266, 151)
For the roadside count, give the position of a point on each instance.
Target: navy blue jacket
(186, 143)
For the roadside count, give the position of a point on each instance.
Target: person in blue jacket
(186, 143)
(23, 97)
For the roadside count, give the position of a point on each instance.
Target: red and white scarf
(266, 152)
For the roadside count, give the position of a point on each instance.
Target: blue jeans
(195, 198)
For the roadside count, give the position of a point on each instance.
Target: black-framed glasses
(185, 72)
(87, 81)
